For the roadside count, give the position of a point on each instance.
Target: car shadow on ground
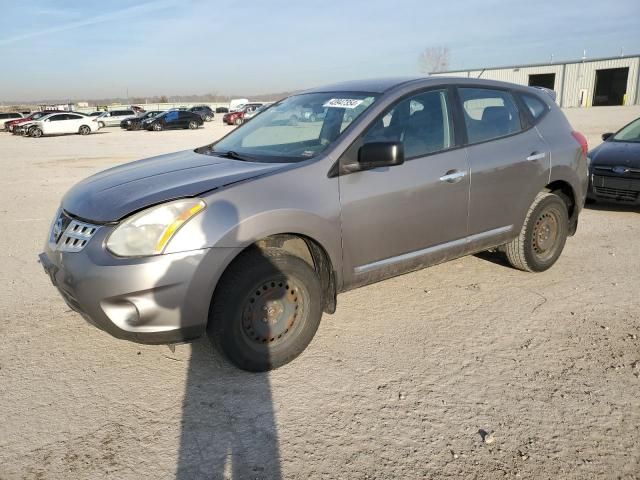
(497, 258)
(612, 207)
(228, 426)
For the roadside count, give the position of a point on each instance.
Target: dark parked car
(222, 110)
(249, 239)
(204, 111)
(135, 123)
(614, 170)
(173, 119)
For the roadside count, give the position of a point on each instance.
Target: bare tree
(434, 59)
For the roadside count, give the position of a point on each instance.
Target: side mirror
(605, 136)
(380, 154)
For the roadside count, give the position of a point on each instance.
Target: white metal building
(578, 83)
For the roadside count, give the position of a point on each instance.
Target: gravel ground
(469, 369)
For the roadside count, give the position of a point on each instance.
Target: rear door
(398, 218)
(509, 163)
(73, 122)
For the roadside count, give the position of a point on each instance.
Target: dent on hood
(115, 193)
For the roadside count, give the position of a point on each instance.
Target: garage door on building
(611, 86)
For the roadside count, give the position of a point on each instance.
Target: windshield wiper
(233, 155)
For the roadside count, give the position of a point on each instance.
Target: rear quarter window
(537, 108)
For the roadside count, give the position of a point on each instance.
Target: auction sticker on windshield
(343, 103)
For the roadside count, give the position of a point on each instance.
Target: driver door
(399, 218)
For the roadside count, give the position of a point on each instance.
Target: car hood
(616, 154)
(110, 195)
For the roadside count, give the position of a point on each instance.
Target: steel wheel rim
(273, 310)
(546, 234)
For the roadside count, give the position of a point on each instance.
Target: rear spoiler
(552, 93)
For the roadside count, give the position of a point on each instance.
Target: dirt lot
(402, 382)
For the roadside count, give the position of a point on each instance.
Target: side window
(73, 117)
(489, 113)
(422, 123)
(536, 106)
(57, 118)
(3, 116)
(171, 116)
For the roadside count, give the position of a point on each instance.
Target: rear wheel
(266, 309)
(193, 124)
(543, 235)
(36, 132)
(84, 130)
(101, 124)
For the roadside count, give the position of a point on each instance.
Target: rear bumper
(161, 299)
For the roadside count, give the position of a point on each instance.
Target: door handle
(453, 176)
(536, 156)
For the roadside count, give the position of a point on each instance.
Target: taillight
(582, 141)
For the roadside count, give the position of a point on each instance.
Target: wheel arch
(566, 192)
(304, 247)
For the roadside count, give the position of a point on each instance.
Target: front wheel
(101, 124)
(266, 309)
(543, 235)
(208, 118)
(193, 124)
(238, 121)
(157, 127)
(36, 132)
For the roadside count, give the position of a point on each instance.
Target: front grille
(617, 193)
(69, 234)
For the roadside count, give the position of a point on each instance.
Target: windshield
(630, 133)
(284, 133)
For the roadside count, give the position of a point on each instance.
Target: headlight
(148, 232)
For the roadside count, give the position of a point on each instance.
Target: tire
(157, 127)
(208, 118)
(543, 235)
(193, 124)
(259, 281)
(36, 132)
(84, 130)
(101, 124)
(237, 121)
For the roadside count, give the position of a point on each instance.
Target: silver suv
(114, 117)
(251, 238)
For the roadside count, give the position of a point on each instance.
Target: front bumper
(159, 299)
(615, 189)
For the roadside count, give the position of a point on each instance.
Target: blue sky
(90, 49)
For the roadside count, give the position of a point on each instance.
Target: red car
(233, 118)
(9, 126)
(237, 118)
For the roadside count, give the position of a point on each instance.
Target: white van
(237, 103)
